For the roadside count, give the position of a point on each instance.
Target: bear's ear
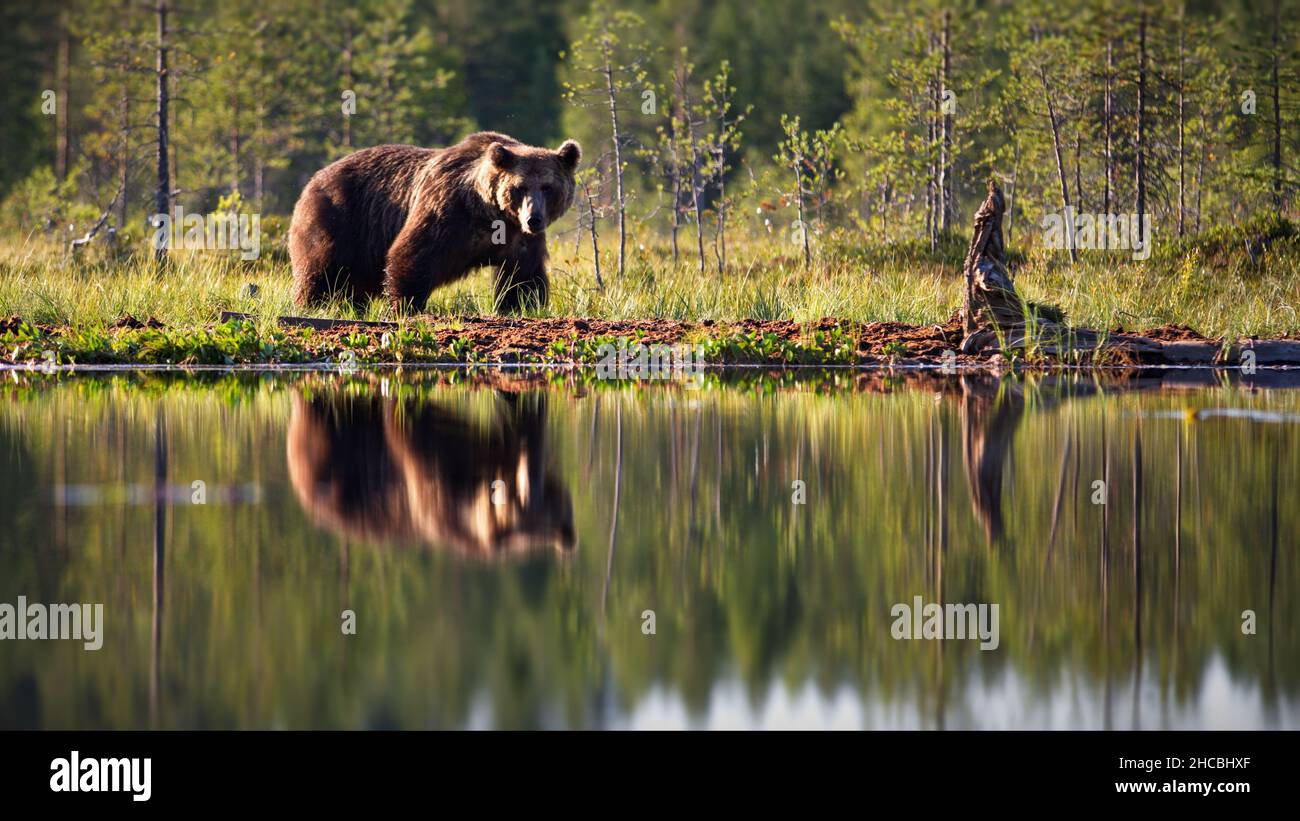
(570, 153)
(501, 156)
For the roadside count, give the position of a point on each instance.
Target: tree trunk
(1060, 164)
(347, 77)
(174, 153)
(1108, 112)
(676, 172)
(259, 155)
(234, 144)
(1140, 170)
(1015, 179)
(577, 230)
(595, 245)
(1277, 108)
(1182, 174)
(124, 153)
(618, 154)
(124, 132)
(885, 201)
(803, 224)
(695, 166)
(386, 112)
(945, 155)
(162, 195)
(932, 197)
(62, 69)
(1078, 171)
(1200, 172)
(720, 244)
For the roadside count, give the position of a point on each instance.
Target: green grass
(1212, 285)
(240, 341)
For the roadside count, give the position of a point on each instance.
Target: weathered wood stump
(992, 312)
(995, 317)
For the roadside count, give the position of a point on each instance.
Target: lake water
(432, 549)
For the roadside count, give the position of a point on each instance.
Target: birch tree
(608, 62)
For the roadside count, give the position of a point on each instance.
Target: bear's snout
(532, 216)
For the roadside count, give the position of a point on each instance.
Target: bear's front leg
(521, 280)
(409, 274)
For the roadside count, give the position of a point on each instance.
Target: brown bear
(389, 471)
(397, 221)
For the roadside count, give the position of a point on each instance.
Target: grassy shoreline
(584, 341)
(858, 304)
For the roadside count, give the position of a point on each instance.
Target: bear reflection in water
(387, 471)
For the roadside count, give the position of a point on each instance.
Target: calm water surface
(505, 547)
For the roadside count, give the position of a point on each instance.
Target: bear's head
(534, 186)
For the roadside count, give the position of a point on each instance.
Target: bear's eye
(548, 191)
(517, 193)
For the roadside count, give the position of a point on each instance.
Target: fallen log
(313, 322)
(85, 239)
(1270, 351)
(1191, 353)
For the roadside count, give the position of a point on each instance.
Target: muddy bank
(565, 340)
(584, 341)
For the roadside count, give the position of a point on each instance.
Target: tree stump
(992, 310)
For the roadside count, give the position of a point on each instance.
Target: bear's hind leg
(318, 284)
(316, 250)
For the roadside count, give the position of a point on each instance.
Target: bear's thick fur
(389, 471)
(397, 221)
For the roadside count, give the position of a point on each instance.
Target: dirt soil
(130, 322)
(513, 339)
(509, 340)
(10, 323)
(503, 339)
(506, 339)
(1167, 333)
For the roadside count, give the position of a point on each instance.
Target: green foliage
(1249, 240)
(839, 111)
(26, 131)
(43, 204)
